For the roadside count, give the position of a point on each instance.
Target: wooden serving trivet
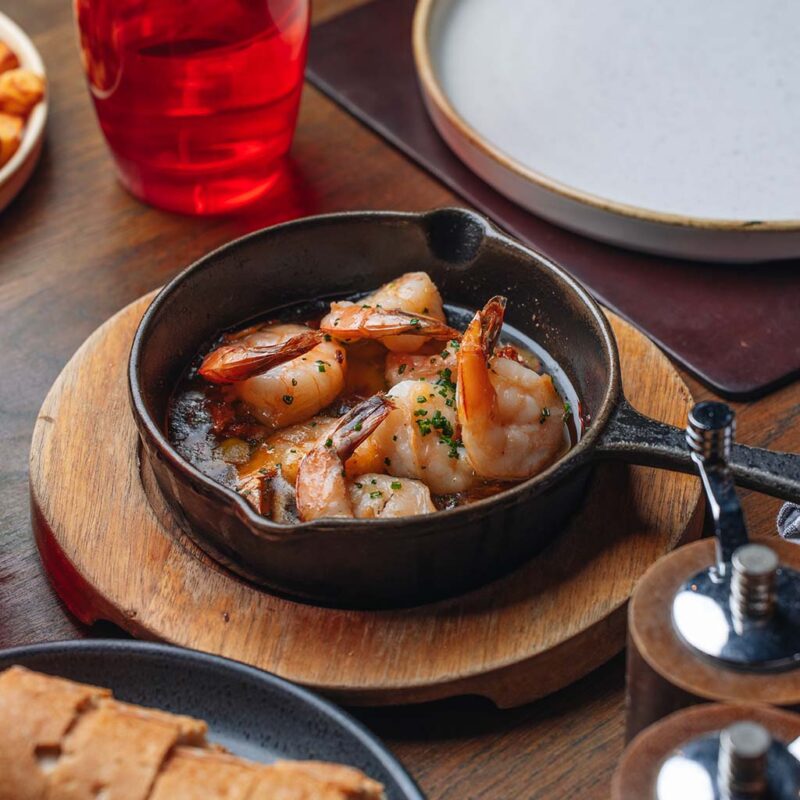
(111, 556)
(635, 778)
(664, 674)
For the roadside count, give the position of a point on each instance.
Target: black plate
(252, 713)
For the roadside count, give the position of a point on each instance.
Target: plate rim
(435, 94)
(134, 647)
(33, 135)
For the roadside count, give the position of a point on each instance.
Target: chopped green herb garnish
(453, 444)
(288, 399)
(420, 412)
(414, 321)
(373, 481)
(294, 381)
(396, 485)
(320, 368)
(567, 407)
(359, 485)
(329, 442)
(358, 426)
(446, 379)
(394, 438)
(422, 399)
(376, 494)
(442, 424)
(401, 369)
(327, 337)
(387, 461)
(444, 353)
(545, 413)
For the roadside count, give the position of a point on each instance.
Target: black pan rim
(135, 648)
(578, 455)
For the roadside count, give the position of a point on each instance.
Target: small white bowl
(16, 171)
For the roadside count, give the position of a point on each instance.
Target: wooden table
(75, 247)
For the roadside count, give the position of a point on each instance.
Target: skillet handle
(633, 437)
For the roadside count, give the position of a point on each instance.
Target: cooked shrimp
(512, 421)
(267, 479)
(382, 496)
(324, 491)
(243, 357)
(419, 439)
(284, 449)
(413, 366)
(414, 293)
(271, 495)
(297, 389)
(352, 321)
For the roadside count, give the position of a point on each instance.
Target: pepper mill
(713, 752)
(717, 620)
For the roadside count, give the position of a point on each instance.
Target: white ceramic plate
(670, 127)
(16, 171)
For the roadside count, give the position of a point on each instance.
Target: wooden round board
(111, 556)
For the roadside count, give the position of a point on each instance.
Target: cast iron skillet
(252, 713)
(405, 561)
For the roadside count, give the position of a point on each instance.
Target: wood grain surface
(75, 248)
(663, 674)
(114, 557)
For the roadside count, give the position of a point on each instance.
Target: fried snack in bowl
(23, 109)
(20, 91)
(8, 58)
(10, 135)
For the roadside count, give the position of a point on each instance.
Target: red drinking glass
(197, 99)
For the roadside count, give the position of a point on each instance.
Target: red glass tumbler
(197, 99)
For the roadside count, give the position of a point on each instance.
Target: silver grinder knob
(741, 762)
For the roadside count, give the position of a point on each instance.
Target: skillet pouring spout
(638, 439)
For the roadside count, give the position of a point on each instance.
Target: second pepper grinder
(717, 620)
(713, 752)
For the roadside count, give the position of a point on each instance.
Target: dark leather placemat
(736, 327)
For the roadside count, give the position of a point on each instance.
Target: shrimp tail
(257, 490)
(374, 322)
(475, 395)
(491, 316)
(236, 361)
(359, 423)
